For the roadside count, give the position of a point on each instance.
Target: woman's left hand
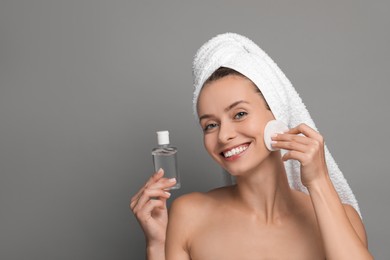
(307, 148)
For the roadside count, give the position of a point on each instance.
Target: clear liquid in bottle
(165, 157)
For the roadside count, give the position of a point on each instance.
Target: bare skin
(260, 217)
(222, 228)
(150, 208)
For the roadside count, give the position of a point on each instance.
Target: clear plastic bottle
(165, 157)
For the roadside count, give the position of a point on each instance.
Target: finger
(146, 211)
(294, 155)
(153, 204)
(163, 184)
(307, 131)
(154, 178)
(292, 146)
(154, 195)
(292, 137)
(147, 195)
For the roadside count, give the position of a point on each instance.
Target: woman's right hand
(150, 209)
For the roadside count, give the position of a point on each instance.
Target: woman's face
(233, 116)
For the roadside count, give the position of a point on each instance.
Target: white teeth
(235, 151)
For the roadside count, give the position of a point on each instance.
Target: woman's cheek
(253, 127)
(207, 142)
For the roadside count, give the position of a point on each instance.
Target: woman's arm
(341, 228)
(155, 251)
(149, 207)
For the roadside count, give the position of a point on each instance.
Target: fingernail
(167, 193)
(274, 135)
(273, 142)
(160, 170)
(172, 180)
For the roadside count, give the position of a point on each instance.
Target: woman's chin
(236, 172)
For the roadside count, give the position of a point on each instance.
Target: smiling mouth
(235, 151)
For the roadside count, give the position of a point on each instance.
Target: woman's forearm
(339, 236)
(155, 251)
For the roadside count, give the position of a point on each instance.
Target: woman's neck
(265, 192)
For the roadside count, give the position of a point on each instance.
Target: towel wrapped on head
(243, 55)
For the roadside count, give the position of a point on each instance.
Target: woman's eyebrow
(231, 106)
(235, 104)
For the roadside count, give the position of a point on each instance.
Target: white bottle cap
(162, 137)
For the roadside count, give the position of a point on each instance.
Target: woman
(284, 204)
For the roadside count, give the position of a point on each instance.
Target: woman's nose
(226, 132)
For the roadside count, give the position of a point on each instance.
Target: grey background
(85, 84)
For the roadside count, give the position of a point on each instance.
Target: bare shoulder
(187, 206)
(356, 222)
(186, 215)
(197, 202)
(195, 207)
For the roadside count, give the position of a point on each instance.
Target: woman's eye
(209, 127)
(240, 115)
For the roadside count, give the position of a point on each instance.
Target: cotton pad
(273, 127)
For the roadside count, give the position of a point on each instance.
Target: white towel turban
(243, 55)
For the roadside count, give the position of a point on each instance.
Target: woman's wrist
(319, 184)
(155, 250)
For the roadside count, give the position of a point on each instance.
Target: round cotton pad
(273, 127)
